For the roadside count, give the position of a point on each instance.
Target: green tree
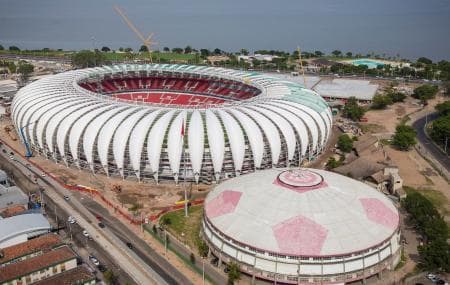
(87, 58)
(105, 49)
(435, 255)
(128, 49)
(352, 110)
(203, 248)
(446, 86)
(217, 51)
(425, 92)
(143, 48)
(381, 101)
(188, 49)
(336, 53)
(25, 69)
(332, 163)
(424, 60)
(1, 47)
(234, 273)
(440, 131)
(318, 53)
(396, 96)
(110, 277)
(166, 49)
(244, 51)
(345, 143)
(177, 50)
(14, 48)
(404, 137)
(443, 108)
(349, 54)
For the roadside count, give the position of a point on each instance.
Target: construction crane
(146, 41)
(28, 152)
(301, 65)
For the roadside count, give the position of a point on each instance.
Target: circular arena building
(166, 121)
(302, 226)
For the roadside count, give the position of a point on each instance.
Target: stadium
(302, 226)
(166, 121)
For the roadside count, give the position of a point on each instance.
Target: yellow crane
(146, 41)
(301, 65)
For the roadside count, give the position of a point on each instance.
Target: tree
(425, 92)
(318, 53)
(128, 49)
(440, 131)
(143, 48)
(25, 69)
(192, 258)
(443, 108)
(188, 49)
(177, 50)
(244, 51)
(332, 163)
(110, 277)
(424, 60)
(435, 255)
(1, 47)
(203, 248)
(396, 96)
(233, 273)
(404, 137)
(381, 101)
(204, 52)
(87, 58)
(352, 110)
(336, 53)
(217, 51)
(345, 143)
(166, 49)
(14, 48)
(446, 86)
(105, 49)
(349, 54)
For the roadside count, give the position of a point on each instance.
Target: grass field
(185, 229)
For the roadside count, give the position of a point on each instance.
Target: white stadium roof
(63, 120)
(302, 212)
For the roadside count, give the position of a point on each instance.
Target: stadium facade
(302, 226)
(166, 121)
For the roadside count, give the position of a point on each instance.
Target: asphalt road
(427, 143)
(146, 253)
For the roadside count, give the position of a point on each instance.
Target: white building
(302, 226)
(20, 228)
(127, 121)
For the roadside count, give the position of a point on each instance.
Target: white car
(94, 260)
(43, 174)
(431, 276)
(71, 220)
(85, 233)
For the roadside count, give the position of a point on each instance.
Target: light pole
(203, 270)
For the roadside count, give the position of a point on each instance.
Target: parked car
(130, 246)
(66, 198)
(71, 220)
(102, 268)
(101, 225)
(86, 234)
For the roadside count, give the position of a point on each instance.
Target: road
(141, 272)
(432, 149)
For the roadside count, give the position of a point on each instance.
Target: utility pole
(445, 147)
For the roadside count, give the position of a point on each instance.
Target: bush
(192, 258)
(352, 110)
(440, 131)
(404, 138)
(425, 92)
(381, 101)
(234, 273)
(203, 248)
(443, 108)
(396, 96)
(333, 163)
(345, 143)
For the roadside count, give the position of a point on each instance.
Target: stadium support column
(364, 268)
(379, 264)
(254, 270)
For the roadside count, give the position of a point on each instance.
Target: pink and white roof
(301, 212)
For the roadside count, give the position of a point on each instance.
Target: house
(38, 267)
(79, 276)
(29, 249)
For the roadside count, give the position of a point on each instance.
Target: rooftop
(54, 257)
(42, 243)
(77, 275)
(12, 211)
(22, 224)
(302, 212)
(10, 196)
(346, 88)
